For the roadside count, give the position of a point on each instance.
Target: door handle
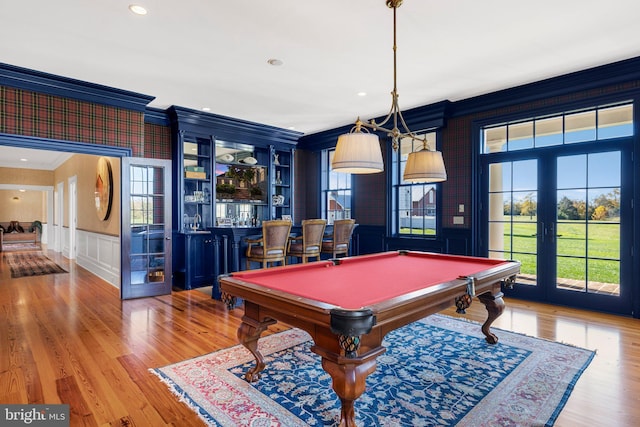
(544, 231)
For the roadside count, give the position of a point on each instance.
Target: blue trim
(62, 145)
(431, 116)
(592, 78)
(157, 116)
(50, 84)
(233, 130)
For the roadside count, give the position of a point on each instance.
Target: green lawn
(580, 248)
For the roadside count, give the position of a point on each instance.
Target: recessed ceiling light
(23, 160)
(206, 109)
(362, 93)
(275, 62)
(137, 9)
(22, 190)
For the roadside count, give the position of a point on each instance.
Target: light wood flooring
(69, 338)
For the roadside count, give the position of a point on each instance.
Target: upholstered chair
(338, 243)
(272, 246)
(309, 244)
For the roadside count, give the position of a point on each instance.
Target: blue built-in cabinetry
(229, 175)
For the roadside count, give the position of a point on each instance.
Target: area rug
(31, 264)
(22, 246)
(436, 372)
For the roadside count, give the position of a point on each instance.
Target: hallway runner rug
(31, 264)
(10, 247)
(438, 371)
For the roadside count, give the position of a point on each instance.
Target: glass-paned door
(560, 214)
(588, 223)
(513, 215)
(146, 228)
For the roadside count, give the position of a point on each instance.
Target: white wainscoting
(98, 253)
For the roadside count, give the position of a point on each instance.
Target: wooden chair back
(339, 243)
(309, 244)
(272, 246)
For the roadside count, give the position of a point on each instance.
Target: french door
(146, 228)
(559, 213)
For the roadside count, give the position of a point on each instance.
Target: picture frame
(103, 188)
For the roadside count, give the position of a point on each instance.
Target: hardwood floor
(69, 338)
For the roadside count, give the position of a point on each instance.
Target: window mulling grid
(338, 193)
(404, 213)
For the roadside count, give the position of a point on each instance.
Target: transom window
(598, 123)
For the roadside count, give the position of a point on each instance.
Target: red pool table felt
(365, 280)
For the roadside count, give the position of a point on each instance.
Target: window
(336, 190)
(416, 208)
(142, 202)
(595, 124)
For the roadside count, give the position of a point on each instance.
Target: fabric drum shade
(425, 166)
(358, 153)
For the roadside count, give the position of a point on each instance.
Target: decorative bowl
(250, 160)
(225, 158)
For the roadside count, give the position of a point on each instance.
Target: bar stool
(272, 246)
(310, 243)
(338, 244)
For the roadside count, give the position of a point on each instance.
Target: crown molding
(50, 84)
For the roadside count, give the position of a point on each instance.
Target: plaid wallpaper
(157, 141)
(45, 116)
(457, 149)
(370, 197)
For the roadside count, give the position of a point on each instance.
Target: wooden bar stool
(272, 246)
(338, 244)
(309, 244)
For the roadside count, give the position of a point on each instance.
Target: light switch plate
(458, 220)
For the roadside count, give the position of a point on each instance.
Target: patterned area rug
(31, 264)
(9, 247)
(436, 372)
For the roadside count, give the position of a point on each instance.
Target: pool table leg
(348, 377)
(495, 306)
(248, 334)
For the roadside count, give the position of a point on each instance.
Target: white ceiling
(206, 53)
(25, 158)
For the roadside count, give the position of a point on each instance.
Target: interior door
(146, 228)
(559, 213)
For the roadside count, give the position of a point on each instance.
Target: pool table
(348, 305)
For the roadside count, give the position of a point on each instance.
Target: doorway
(146, 228)
(559, 213)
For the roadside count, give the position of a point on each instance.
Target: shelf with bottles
(281, 183)
(194, 169)
(234, 214)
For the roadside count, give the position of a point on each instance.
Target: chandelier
(359, 152)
